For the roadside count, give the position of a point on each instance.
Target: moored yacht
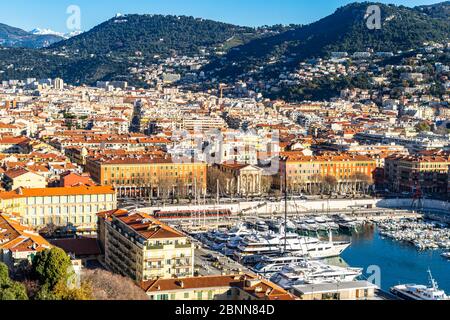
(270, 265)
(420, 292)
(289, 243)
(347, 223)
(313, 272)
(261, 226)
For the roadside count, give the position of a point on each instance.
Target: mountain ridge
(345, 30)
(16, 37)
(107, 50)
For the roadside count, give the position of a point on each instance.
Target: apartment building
(223, 288)
(410, 173)
(77, 206)
(149, 176)
(340, 172)
(202, 123)
(21, 177)
(140, 247)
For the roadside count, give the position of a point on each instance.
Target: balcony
(155, 247)
(183, 246)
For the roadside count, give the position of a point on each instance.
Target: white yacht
(261, 226)
(346, 222)
(289, 242)
(332, 225)
(291, 225)
(320, 220)
(238, 231)
(446, 255)
(271, 265)
(314, 272)
(420, 292)
(303, 226)
(312, 225)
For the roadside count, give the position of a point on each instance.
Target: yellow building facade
(149, 177)
(77, 206)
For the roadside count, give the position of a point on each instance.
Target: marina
(336, 248)
(399, 262)
(424, 235)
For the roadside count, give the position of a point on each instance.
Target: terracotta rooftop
(142, 224)
(16, 172)
(259, 288)
(19, 238)
(298, 156)
(78, 247)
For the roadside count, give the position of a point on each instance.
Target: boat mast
(432, 281)
(285, 205)
(218, 202)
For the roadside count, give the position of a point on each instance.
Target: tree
(108, 286)
(266, 184)
(216, 176)
(330, 183)
(165, 189)
(423, 127)
(63, 292)
(4, 274)
(10, 290)
(360, 181)
(45, 294)
(51, 267)
(317, 182)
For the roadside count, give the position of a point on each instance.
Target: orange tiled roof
(13, 140)
(256, 287)
(420, 158)
(19, 238)
(293, 156)
(16, 172)
(143, 224)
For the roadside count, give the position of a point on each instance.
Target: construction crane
(222, 86)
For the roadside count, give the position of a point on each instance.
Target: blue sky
(29, 14)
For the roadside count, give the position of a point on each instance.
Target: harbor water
(399, 262)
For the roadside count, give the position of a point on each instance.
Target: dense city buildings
(199, 160)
